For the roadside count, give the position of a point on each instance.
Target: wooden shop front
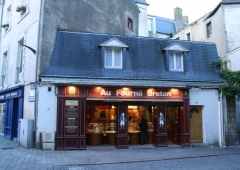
(110, 116)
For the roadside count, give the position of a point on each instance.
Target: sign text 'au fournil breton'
(136, 93)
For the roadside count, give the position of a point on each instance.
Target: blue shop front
(11, 110)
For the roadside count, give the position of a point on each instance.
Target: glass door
(2, 116)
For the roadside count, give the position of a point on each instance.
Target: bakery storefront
(110, 116)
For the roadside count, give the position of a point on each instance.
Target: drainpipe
(237, 100)
(36, 76)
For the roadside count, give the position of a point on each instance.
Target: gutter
(36, 75)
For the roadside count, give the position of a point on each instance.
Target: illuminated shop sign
(134, 93)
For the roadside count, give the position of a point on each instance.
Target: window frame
(4, 68)
(188, 36)
(113, 57)
(175, 62)
(131, 25)
(209, 29)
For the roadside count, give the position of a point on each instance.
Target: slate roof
(165, 25)
(79, 55)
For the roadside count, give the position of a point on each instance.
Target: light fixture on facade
(72, 90)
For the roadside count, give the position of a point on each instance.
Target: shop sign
(12, 94)
(134, 93)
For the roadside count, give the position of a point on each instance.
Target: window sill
(23, 16)
(176, 70)
(6, 31)
(117, 68)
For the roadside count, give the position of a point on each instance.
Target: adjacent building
(220, 26)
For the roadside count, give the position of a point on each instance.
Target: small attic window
(130, 23)
(176, 61)
(176, 57)
(113, 53)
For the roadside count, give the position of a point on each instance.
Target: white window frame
(19, 63)
(8, 14)
(4, 69)
(175, 61)
(113, 55)
(209, 29)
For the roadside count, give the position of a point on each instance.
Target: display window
(101, 125)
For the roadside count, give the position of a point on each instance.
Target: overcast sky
(194, 9)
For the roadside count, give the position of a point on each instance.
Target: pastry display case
(101, 126)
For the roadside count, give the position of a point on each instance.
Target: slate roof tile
(77, 54)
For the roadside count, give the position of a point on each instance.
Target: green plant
(5, 25)
(21, 8)
(232, 87)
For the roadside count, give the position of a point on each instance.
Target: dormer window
(175, 57)
(176, 61)
(113, 53)
(113, 58)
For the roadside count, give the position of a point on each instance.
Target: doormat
(8, 148)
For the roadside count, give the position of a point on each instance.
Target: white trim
(175, 47)
(135, 82)
(175, 63)
(113, 43)
(113, 56)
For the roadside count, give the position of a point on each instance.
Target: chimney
(178, 18)
(185, 19)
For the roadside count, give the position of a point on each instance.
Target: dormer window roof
(114, 43)
(176, 47)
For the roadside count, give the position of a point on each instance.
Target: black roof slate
(78, 54)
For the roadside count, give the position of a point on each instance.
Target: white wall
(47, 110)
(142, 25)
(25, 26)
(234, 59)
(208, 99)
(232, 25)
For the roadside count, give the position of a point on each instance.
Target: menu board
(71, 117)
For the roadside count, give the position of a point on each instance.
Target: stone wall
(98, 16)
(232, 137)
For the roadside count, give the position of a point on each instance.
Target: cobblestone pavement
(223, 162)
(16, 157)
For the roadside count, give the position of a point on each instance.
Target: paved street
(136, 157)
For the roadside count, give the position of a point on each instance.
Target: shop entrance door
(2, 116)
(71, 124)
(195, 124)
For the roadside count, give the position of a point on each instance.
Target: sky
(194, 9)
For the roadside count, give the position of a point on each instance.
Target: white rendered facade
(23, 28)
